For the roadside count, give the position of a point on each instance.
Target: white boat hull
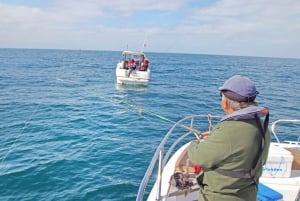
(135, 77)
(133, 69)
(288, 187)
(281, 173)
(168, 171)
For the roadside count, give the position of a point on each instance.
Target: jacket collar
(246, 113)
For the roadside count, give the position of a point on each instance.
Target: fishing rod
(193, 130)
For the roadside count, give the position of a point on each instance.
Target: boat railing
(273, 130)
(161, 158)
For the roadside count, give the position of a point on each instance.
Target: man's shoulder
(232, 127)
(233, 123)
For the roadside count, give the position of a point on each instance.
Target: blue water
(68, 132)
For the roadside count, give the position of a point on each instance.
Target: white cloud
(243, 16)
(258, 27)
(255, 27)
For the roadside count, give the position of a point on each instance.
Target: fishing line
(114, 101)
(133, 107)
(27, 122)
(22, 131)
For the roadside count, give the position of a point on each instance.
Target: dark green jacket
(232, 145)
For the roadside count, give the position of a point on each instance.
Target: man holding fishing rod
(233, 154)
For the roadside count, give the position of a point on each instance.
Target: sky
(264, 28)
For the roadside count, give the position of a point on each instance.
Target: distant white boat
(133, 68)
(176, 177)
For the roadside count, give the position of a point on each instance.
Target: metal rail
(162, 159)
(274, 124)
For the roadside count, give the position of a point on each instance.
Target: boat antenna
(144, 43)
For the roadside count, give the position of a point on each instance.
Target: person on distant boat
(132, 66)
(126, 64)
(233, 155)
(144, 65)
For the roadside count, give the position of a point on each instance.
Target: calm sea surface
(67, 132)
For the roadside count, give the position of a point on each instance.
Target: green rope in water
(140, 110)
(128, 104)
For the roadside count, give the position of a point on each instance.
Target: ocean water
(68, 132)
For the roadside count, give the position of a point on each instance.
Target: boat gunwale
(162, 161)
(156, 157)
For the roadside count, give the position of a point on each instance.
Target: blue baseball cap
(239, 88)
